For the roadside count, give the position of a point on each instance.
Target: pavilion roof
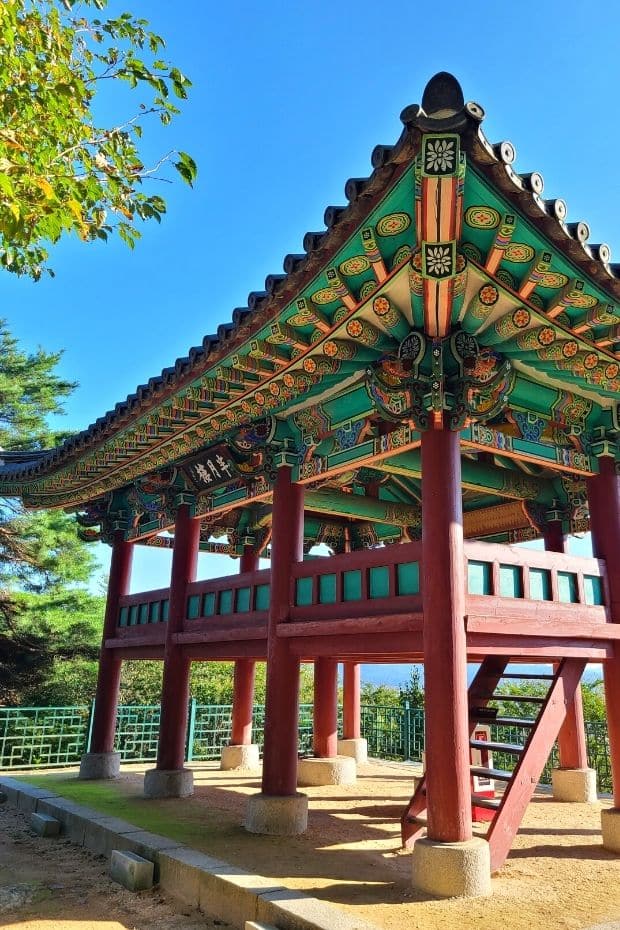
(299, 327)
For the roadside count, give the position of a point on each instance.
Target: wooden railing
(502, 583)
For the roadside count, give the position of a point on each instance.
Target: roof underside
(446, 289)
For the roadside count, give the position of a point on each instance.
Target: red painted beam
(325, 744)
(604, 504)
(109, 675)
(282, 699)
(175, 687)
(351, 701)
(445, 649)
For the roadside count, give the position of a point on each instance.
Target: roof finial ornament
(443, 96)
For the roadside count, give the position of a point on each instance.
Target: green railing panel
(193, 606)
(262, 597)
(540, 584)
(327, 589)
(137, 729)
(567, 588)
(352, 585)
(593, 589)
(478, 577)
(303, 592)
(243, 600)
(379, 581)
(408, 578)
(226, 602)
(510, 581)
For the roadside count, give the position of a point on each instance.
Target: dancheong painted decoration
(435, 378)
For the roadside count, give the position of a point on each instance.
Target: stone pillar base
(610, 825)
(95, 765)
(276, 816)
(452, 870)
(240, 757)
(355, 748)
(337, 770)
(576, 785)
(177, 783)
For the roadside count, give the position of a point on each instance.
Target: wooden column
(351, 687)
(572, 748)
(445, 654)
(245, 672)
(282, 699)
(325, 743)
(109, 676)
(604, 503)
(175, 688)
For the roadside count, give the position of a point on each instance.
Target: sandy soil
(557, 875)
(49, 884)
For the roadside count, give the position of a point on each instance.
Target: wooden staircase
(542, 730)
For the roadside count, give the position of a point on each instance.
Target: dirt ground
(557, 875)
(49, 884)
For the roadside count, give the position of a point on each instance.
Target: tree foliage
(38, 551)
(62, 167)
(49, 646)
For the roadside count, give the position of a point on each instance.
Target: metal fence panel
(42, 736)
(32, 737)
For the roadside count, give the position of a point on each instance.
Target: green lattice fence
(33, 737)
(137, 728)
(42, 736)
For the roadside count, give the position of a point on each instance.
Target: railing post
(89, 732)
(407, 740)
(191, 726)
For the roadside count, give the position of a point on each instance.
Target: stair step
(519, 698)
(496, 774)
(522, 677)
(514, 721)
(491, 803)
(513, 748)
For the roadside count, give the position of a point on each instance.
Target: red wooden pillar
(282, 699)
(108, 679)
(445, 650)
(245, 671)
(175, 688)
(604, 503)
(351, 724)
(325, 708)
(572, 746)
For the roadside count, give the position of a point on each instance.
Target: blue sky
(288, 102)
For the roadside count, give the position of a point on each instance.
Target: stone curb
(215, 887)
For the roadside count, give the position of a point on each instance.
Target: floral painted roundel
(553, 279)
(482, 217)
(393, 224)
(519, 252)
(356, 265)
(325, 296)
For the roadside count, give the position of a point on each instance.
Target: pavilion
(434, 379)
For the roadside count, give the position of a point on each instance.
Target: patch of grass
(119, 800)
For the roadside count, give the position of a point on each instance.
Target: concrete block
(339, 770)
(28, 797)
(240, 758)
(292, 910)
(356, 748)
(44, 825)
(452, 870)
(610, 825)
(97, 765)
(73, 817)
(131, 871)
(168, 784)
(232, 893)
(103, 834)
(574, 785)
(276, 816)
(183, 871)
